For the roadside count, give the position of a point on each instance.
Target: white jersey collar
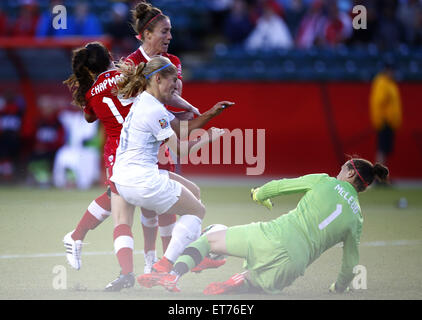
(144, 53)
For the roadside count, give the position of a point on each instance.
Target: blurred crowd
(252, 23)
(308, 23)
(45, 158)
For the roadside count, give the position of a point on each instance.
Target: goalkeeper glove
(266, 203)
(333, 289)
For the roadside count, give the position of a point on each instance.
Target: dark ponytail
(87, 63)
(381, 172)
(145, 16)
(367, 173)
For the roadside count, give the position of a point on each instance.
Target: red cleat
(162, 266)
(234, 282)
(208, 263)
(166, 280)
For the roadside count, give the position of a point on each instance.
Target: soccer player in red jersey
(93, 79)
(92, 84)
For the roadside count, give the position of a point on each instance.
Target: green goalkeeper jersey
(327, 214)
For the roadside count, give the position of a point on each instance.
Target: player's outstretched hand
(220, 106)
(266, 203)
(333, 289)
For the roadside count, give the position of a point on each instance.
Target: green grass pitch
(33, 223)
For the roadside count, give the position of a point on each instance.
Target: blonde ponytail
(133, 81)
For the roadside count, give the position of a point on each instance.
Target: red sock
(166, 223)
(97, 211)
(150, 228)
(123, 247)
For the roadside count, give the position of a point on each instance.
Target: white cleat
(73, 251)
(150, 258)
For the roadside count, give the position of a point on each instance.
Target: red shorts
(110, 148)
(170, 165)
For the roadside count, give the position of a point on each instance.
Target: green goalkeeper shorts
(272, 265)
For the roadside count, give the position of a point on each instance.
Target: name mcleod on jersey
(354, 205)
(108, 83)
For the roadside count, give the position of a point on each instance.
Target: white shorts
(159, 199)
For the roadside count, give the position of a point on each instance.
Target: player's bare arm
(193, 146)
(178, 102)
(202, 120)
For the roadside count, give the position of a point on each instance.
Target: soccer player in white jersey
(137, 179)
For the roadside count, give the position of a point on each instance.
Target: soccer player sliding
(278, 251)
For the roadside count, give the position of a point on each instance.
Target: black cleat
(122, 281)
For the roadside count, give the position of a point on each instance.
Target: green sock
(192, 255)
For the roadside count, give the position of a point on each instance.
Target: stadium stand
(32, 66)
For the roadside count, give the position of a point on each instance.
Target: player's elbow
(90, 118)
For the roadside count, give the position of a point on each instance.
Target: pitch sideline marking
(57, 254)
(103, 253)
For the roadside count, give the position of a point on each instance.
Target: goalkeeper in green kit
(278, 251)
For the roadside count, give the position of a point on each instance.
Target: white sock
(186, 230)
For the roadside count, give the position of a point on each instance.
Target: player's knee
(217, 241)
(148, 213)
(201, 210)
(149, 221)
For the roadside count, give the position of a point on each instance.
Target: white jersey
(144, 129)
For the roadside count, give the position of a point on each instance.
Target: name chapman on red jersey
(102, 102)
(109, 109)
(109, 82)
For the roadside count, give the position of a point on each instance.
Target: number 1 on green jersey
(331, 217)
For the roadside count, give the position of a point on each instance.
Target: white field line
(391, 243)
(380, 243)
(59, 254)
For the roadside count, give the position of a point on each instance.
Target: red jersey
(139, 56)
(109, 109)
